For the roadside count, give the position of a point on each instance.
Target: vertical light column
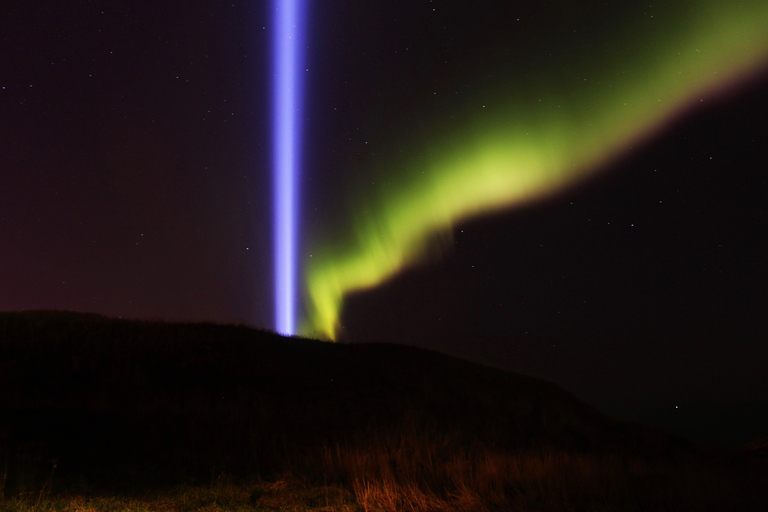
(287, 92)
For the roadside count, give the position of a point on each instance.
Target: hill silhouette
(114, 404)
(92, 391)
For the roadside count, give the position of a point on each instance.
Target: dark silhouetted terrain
(89, 403)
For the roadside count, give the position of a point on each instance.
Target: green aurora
(553, 130)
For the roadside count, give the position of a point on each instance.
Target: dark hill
(116, 400)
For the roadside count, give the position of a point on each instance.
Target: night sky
(135, 182)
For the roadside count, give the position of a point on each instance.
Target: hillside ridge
(182, 398)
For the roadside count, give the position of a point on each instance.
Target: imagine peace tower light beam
(287, 90)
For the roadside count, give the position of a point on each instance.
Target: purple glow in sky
(287, 92)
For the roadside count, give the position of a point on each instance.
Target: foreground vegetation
(106, 415)
(416, 474)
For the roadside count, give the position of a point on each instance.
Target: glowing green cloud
(552, 131)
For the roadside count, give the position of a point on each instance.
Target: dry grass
(284, 494)
(410, 473)
(419, 475)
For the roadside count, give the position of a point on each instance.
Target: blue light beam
(287, 92)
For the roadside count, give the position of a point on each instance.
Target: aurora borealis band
(546, 131)
(287, 91)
